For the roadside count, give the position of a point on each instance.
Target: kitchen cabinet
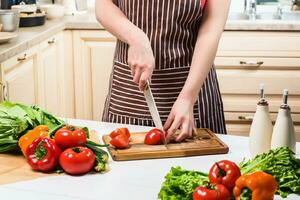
(18, 77)
(56, 94)
(246, 59)
(42, 75)
(93, 57)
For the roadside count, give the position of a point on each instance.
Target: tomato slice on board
(153, 137)
(120, 131)
(120, 141)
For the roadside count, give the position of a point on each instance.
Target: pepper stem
(222, 172)
(76, 149)
(40, 151)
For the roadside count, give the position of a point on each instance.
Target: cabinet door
(53, 77)
(19, 77)
(93, 58)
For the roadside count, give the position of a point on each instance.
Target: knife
(153, 110)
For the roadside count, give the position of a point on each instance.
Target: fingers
(172, 130)
(143, 80)
(137, 75)
(184, 132)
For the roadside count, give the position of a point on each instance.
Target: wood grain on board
(204, 143)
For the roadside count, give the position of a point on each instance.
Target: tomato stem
(76, 149)
(222, 172)
(71, 128)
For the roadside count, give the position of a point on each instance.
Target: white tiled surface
(132, 180)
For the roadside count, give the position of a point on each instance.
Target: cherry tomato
(120, 131)
(120, 141)
(153, 137)
(77, 160)
(69, 136)
(217, 192)
(224, 172)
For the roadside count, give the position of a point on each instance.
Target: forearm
(209, 34)
(204, 55)
(114, 21)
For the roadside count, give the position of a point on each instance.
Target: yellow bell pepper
(27, 139)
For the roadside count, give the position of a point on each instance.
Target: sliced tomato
(120, 141)
(120, 131)
(153, 137)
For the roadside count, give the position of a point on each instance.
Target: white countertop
(130, 180)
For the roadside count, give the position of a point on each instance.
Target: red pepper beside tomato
(77, 160)
(224, 172)
(43, 154)
(153, 137)
(211, 192)
(70, 136)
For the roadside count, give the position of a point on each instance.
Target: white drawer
(254, 43)
(247, 81)
(255, 63)
(247, 102)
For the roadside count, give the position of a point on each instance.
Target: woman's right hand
(141, 61)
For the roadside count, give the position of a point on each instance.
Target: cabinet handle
(24, 57)
(251, 63)
(5, 92)
(52, 41)
(245, 117)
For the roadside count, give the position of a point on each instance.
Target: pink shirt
(202, 3)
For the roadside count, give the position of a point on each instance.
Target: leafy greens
(180, 184)
(16, 119)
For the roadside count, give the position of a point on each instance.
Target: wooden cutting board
(204, 143)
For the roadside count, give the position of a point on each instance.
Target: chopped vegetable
(180, 184)
(27, 139)
(120, 131)
(43, 154)
(280, 163)
(211, 192)
(120, 141)
(262, 186)
(224, 172)
(16, 119)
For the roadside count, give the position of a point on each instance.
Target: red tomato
(217, 192)
(224, 172)
(120, 131)
(153, 137)
(69, 136)
(120, 141)
(77, 160)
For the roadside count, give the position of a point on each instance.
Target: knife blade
(153, 110)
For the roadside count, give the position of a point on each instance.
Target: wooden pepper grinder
(261, 127)
(284, 131)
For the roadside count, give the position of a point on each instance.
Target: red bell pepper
(43, 154)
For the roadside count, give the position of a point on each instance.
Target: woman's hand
(181, 116)
(141, 61)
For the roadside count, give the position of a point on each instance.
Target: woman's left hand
(181, 116)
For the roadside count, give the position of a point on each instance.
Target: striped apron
(172, 28)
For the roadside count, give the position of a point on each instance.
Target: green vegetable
(101, 156)
(280, 163)
(16, 119)
(180, 184)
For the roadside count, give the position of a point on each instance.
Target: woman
(173, 44)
